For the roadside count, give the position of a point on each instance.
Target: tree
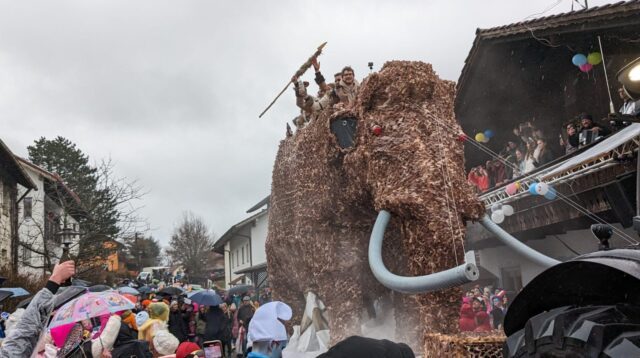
(190, 245)
(104, 205)
(144, 252)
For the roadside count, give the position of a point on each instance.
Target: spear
(305, 66)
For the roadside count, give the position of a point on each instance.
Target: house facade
(243, 246)
(12, 176)
(41, 218)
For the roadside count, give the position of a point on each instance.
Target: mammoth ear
(368, 93)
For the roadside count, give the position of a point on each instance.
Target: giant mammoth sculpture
(326, 195)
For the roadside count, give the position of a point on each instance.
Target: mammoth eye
(376, 130)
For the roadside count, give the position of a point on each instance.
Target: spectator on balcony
(541, 153)
(629, 106)
(479, 177)
(571, 142)
(528, 162)
(591, 131)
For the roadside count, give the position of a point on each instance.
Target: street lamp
(66, 235)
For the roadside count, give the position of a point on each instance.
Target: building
(12, 175)
(42, 219)
(524, 72)
(243, 246)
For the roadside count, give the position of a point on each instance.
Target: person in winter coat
(213, 328)
(158, 317)
(177, 322)
(22, 339)
(227, 326)
(201, 323)
(467, 317)
(482, 321)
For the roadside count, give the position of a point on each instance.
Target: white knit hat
(141, 318)
(165, 343)
(264, 326)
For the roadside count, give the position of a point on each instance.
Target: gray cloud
(171, 90)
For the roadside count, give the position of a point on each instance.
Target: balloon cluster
(483, 137)
(543, 189)
(499, 212)
(586, 63)
(512, 188)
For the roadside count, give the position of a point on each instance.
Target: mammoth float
(393, 156)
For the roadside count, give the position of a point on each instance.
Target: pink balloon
(511, 189)
(586, 67)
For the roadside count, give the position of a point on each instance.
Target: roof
(54, 178)
(553, 24)
(260, 204)
(14, 168)
(218, 246)
(254, 268)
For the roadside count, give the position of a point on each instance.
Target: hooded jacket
(22, 339)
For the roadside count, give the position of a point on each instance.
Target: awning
(236, 280)
(254, 268)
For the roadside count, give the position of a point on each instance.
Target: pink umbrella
(89, 305)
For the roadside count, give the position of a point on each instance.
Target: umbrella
(99, 288)
(240, 289)
(64, 295)
(89, 305)
(171, 291)
(145, 289)
(129, 290)
(131, 297)
(17, 291)
(206, 298)
(4, 295)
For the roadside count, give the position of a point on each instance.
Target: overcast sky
(171, 90)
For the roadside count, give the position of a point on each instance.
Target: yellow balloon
(480, 137)
(518, 185)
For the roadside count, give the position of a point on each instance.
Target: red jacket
(467, 321)
(483, 324)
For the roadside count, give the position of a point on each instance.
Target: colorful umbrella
(129, 290)
(92, 304)
(17, 291)
(131, 297)
(206, 298)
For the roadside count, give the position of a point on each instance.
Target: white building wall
(259, 239)
(239, 254)
(31, 229)
(581, 241)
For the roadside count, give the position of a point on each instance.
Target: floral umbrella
(89, 305)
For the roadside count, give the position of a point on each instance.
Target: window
(27, 204)
(26, 255)
(243, 255)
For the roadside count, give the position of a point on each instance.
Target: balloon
(507, 210)
(586, 67)
(511, 189)
(551, 194)
(594, 58)
(579, 59)
(462, 137)
(488, 133)
(542, 188)
(480, 138)
(497, 216)
(518, 186)
(532, 189)
(495, 207)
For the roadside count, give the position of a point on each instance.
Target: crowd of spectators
(483, 310)
(529, 149)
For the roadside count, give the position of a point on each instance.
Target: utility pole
(138, 249)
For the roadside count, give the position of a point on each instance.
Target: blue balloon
(551, 194)
(488, 133)
(579, 59)
(532, 189)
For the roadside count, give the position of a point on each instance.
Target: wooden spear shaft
(299, 73)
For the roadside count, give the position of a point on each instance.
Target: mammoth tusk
(516, 245)
(456, 276)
